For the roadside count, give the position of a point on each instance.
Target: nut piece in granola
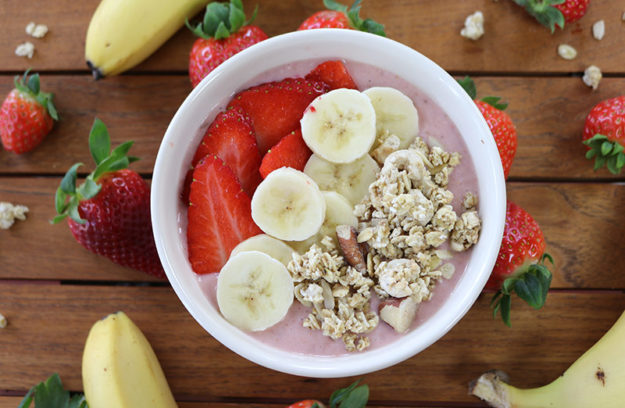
(567, 52)
(9, 213)
(352, 250)
(598, 30)
(399, 313)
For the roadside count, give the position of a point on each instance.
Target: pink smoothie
(435, 127)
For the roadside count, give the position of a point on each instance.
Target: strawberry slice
(231, 137)
(333, 73)
(220, 215)
(277, 107)
(291, 151)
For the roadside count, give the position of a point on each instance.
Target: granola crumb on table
(409, 226)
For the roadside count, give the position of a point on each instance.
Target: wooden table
(52, 290)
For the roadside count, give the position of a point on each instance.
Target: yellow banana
(596, 379)
(122, 33)
(120, 369)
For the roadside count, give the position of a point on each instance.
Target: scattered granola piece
(3, 321)
(592, 76)
(598, 29)
(25, 50)
(36, 30)
(473, 26)
(567, 52)
(9, 213)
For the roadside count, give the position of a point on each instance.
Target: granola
(408, 225)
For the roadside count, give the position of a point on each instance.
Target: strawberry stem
(68, 196)
(30, 85)
(221, 20)
(531, 284)
(606, 153)
(353, 15)
(544, 12)
(468, 85)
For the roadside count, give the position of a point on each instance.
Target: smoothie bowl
(369, 252)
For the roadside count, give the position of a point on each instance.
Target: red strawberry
(333, 73)
(231, 137)
(307, 404)
(277, 107)
(552, 13)
(604, 134)
(291, 151)
(220, 215)
(498, 121)
(338, 15)
(109, 214)
(520, 264)
(223, 33)
(354, 396)
(27, 115)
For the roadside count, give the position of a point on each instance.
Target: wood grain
(513, 41)
(565, 212)
(49, 323)
(549, 114)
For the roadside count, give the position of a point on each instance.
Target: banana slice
(351, 180)
(340, 125)
(288, 205)
(267, 245)
(254, 290)
(339, 211)
(395, 114)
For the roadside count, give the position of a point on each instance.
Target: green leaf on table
(468, 85)
(51, 394)
(99, 141)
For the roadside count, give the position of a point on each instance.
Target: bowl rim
(166, 227)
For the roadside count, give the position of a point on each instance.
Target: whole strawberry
(223, 33)
(338, 15)
(109, 213)
(354, 396)
(27, 115)
(520, 265)
(604, 134)
(552, 13)
(498, 121)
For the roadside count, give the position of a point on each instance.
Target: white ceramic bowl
(200, 107)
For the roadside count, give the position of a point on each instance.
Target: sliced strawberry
(291, 151)
(333, 73)
(220, 215)
(231, 137)
(277, 107)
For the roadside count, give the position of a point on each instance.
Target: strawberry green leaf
(469, 86)
(99, 141)
(78, 401)
(336, 6)
(606, 153)
(494, 102)
(237, 16)
(340, 394)
(33, 84)
(50, 393)
(59, 200)
(28, 399)
(373, 27)
(544, 12)
(52, 109)
(88, 189)
(357, 398)
(68, 184)
(220, 20)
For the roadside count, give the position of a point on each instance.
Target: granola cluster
(408, 216)
(404, 223)
(337, 293)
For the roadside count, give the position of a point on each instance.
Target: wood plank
(579, 220)
(549, 114)
(431, 27)
(49, 323)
